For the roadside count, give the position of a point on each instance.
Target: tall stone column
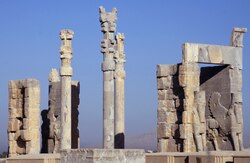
(235, 73)
(119, 91)
(66, 74)
(108, 27)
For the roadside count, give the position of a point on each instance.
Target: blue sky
(154, 32)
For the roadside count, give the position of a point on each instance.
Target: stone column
(66, 74)
(108, 27)
(235, 73)
(119, 92)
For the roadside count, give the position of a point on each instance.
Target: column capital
(237, 36)
(108, 19)
(66, 34)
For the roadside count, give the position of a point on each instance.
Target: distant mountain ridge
(147, 141)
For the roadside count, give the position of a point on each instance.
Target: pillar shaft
(119, 92)
(236, 92)
(108, 27)
(66, 113)
(66, 74)
(108, 110)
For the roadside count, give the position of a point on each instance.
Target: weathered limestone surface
(103, 155)
(66, 74)
(24, 117)
(207, 101)
(108, 27)
(119, 91)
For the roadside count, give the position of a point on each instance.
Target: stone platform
(37, 158)
(103, 156)
(199, 157)
(132, 156)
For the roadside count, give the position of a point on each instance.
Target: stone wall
(24, 117)
(170, 109)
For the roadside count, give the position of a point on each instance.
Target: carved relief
(222, 123)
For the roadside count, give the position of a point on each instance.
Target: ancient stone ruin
(200, 108)
(24, 117)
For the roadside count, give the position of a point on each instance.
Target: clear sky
(154, 32)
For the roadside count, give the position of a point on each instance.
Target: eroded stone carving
(199, 124)
(225, 122)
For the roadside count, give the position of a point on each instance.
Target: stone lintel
(102, 155)
(212, 54)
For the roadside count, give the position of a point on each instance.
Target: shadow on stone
(119, 141)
